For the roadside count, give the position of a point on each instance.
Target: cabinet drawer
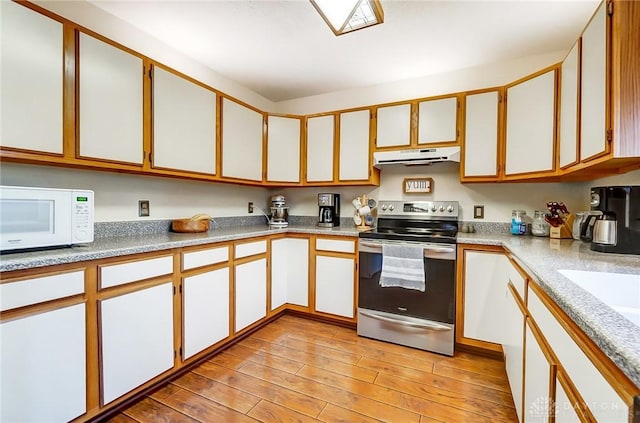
(602, 399)
(250, 249)
(337, 245)
(37, 290)
(118, 274)
(205, 257)
(517, 279)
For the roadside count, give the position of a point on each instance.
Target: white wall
(498, 199)
(91, 17)
(496, 74)
(117, 194)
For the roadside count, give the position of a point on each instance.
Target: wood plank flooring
(300, 370)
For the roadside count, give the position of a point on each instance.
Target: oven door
(436, 303)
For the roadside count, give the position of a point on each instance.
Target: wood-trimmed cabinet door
(205, 310)
(593, 82)
(354, 144)
(136, 334)
(438, 121)
(530, 126)
(539, 374)
(568, 121)
(320, 148)
(513, 346)
(110, 96)
(481, 289)
(184, 124)
(283, 149)
(250, 293)
(43, 348)
(289, 272)
(31, 94)
(242, 133)
(481, 136)
(335, 277)
(393, 126)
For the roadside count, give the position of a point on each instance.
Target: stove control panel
(436, 209)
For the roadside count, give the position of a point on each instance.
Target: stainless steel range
(407, 275)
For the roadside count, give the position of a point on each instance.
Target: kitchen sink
(619, 291)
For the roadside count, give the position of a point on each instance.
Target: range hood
(418, 156)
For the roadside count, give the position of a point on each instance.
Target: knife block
(565, 230)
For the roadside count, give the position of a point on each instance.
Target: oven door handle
(429, 326)
(371, 247)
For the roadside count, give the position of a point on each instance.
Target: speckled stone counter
(542, 258)
(123, 245)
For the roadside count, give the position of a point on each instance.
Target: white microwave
(32, 218)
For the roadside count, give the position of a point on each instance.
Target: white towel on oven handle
(403, 267)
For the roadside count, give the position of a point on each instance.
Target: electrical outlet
(478, 212)
(250, 207)
(143, 208)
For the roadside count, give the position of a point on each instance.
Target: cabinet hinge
(174, 290)
(150, 74)
(180, 288)
(499, 98)
(610, 8)
(175, 353)
(457, 133)
(150, 159)
(458, 104)
(180, 351)
(609, 135)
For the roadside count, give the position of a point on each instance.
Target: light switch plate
(143, 208)
(478, 212)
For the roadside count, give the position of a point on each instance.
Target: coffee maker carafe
(617, 230)
(329, 210)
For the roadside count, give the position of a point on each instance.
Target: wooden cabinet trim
(42, 307)
(578, 403)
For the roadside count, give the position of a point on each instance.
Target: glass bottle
(539, 227)
(518, 222)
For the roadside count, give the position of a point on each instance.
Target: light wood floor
(299, 370)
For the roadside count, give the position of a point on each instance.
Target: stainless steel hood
(419, 156)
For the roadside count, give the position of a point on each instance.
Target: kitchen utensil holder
(363, 226)
(565, 230)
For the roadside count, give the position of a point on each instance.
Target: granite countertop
(542, 258)
(105, 247)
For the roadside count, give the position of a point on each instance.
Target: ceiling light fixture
(344, 16)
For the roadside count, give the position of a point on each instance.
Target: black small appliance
(329, 210)
(618, 229)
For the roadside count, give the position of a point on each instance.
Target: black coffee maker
(617, 230)
(329, 210)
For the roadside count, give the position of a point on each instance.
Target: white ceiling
(282, 49)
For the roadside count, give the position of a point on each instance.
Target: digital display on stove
(412, 208)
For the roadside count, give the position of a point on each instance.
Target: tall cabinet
(354, 146)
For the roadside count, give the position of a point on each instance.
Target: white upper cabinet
(110, 102)
(569, 108)
(184, 124)
(31, 79)
(320, 143)
(481, 134)
(531, 125)
(354, 145)
(593, 100)
(393, 126)
(283, 149)
(242, 130)
(438, 121)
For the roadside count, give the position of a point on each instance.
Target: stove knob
(433, 208)
(391, 207)
(441, 208)
(384, 207)
(450, 208)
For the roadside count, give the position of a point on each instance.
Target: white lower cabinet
(564, 410)
(335, 285)
(205, 310)
(484, 283)
(136, 331)
(289, 272)
(250, 292)
(602, 399)
(537, 380)
(513, 347)
(43, 372)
